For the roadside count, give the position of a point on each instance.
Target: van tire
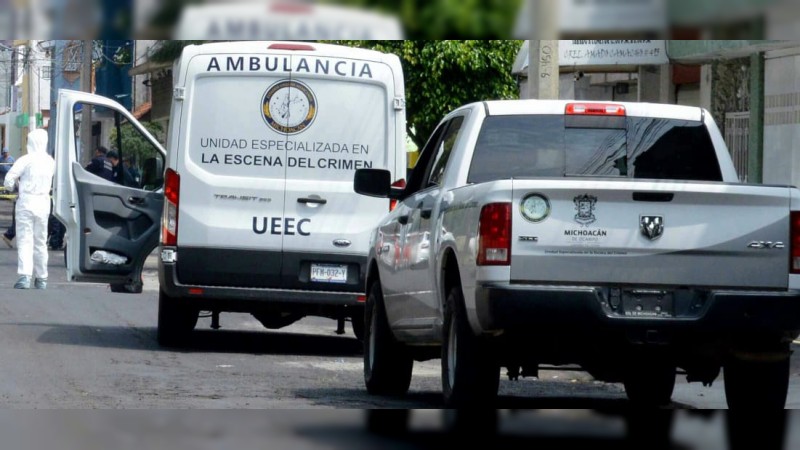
(175, 321)
(470, 372)
(128, 288)
(387, 363)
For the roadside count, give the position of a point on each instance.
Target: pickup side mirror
(373, 182)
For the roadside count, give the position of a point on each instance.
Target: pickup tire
(387, 363)
(650, 383)
(472, 423)
(388, 422)
(470, 372)
(756, 385)
(175, 321)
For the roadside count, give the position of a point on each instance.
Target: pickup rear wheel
(388, 422)
(471, 423)
(175, 321)
(756, 384)
(470, 372)
(387, 363)
(650, 383)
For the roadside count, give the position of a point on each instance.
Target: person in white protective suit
(34, 174)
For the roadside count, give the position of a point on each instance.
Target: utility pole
(30, 61)
(86, 152)
(12, 71)
(543, 66)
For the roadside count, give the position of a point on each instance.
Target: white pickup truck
(613, 236)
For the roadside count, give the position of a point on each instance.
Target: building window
(47, 72)
(72, 57)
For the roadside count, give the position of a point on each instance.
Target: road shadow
(519, 401)
(357, 397)
(205, 341)
(534, 431)
(608, 428)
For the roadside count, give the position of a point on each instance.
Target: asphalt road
(79, 346)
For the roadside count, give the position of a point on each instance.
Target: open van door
(112, 225)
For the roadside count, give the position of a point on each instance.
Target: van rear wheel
(175, 321)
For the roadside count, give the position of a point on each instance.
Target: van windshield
(530, 146)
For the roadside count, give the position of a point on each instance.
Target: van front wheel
(175, 321)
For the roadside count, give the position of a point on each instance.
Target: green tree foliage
(439, 19)
(439, 75)
(169, 51)
(134, 143)
(443, 75)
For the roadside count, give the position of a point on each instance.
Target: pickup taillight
(794, 263)
(494, 235)
(169, 219)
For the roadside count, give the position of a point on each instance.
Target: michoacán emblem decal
(585, 205)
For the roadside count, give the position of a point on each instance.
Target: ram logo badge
(652, 227)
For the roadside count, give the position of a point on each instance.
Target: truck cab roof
(633, 109)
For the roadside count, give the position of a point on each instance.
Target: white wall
(41, 82)
(689, 95)
(141, 93)
(782, 118)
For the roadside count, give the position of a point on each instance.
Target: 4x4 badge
(652, 227)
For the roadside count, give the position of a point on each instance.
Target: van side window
(443, 152)
(140, 163)
(130, 158)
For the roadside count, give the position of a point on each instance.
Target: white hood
(37, 141)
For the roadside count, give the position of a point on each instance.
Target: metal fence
(737, 135)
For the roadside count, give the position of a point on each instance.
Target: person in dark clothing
(118, 173)
(129, 165)
(11, 232)
(100, 165)
(55, 233)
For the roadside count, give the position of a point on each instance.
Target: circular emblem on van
(289, 106)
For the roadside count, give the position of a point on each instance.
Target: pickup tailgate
(692, 234)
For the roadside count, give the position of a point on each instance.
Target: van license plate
(329, 273)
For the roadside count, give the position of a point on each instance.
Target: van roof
(633, 109)
(255, 47)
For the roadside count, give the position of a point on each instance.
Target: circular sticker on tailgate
(289, 106)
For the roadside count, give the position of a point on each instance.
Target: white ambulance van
(252, 204)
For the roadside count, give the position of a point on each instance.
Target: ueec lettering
(288, 226)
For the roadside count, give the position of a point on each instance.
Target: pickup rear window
(530, 146)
